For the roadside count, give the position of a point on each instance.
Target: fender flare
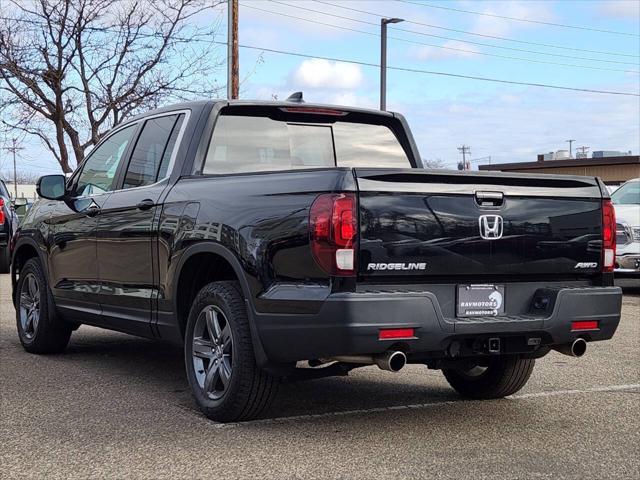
(217, 249)
(21, 242)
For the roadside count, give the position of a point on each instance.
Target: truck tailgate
(424, 224)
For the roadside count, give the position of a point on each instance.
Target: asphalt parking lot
(115, 406)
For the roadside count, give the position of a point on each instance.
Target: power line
(419, 33)
(430, 72)
(403, 69)
(549, 45)
(578, 27)
(105, 30)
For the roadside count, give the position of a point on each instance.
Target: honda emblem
(490, 226)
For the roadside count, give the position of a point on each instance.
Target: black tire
(49, 334)
(499, 377)
(248, 389)
(5, 260)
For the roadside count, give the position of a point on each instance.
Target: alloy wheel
(30, 305)
(212, 352)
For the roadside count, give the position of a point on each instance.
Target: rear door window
(153, 150)
(253, 143)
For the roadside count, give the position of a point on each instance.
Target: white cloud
(516, 9)
(486, 25)
(318, 73)
(352, 99)
(621, 9)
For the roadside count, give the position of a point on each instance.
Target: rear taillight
(1, 211)
(333, 228)
(608, 236)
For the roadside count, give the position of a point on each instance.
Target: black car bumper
(349, 324)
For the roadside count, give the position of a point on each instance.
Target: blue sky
(506, 122)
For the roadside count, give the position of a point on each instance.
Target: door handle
(491, 199)
(92, 210)
(146, 204)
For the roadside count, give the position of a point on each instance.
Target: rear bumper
(349, 324)
(628, 264)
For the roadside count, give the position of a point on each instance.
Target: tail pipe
(392, 361)
(576, 349)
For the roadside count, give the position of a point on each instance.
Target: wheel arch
(201, 264)
(25, 249)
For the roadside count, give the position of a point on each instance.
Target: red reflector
(1, 211)
(585, 325)
(396, 333)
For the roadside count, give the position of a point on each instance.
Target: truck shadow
(158, 368)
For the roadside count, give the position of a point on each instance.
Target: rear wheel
(496, 377)
(221, 368)
(39, 328)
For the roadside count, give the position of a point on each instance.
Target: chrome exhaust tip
(579, 347)
(391, 361)
(576, 349)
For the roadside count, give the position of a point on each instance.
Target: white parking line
(360, 411)
(610, 388)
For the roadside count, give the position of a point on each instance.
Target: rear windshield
(252, 144)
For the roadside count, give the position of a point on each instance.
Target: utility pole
(383, 59)
(464, 150)
(570, 149)
(14, 148)
(233, 67)
(584, 151)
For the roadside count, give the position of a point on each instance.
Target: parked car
(284, 240)
(8, 225)
(627, 205)
(21, 205)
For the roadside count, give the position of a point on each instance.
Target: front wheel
(496, 377)
(221, 367)
(39, 328)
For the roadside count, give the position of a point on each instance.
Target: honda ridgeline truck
(286, 240)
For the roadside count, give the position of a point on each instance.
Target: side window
(100, 168)
(153, 150)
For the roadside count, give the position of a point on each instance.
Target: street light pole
(383, 59)
(570, 142)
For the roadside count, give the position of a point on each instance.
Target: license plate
(480, 300)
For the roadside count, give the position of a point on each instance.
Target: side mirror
(51, 187)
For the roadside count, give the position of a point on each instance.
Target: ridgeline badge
(397, 266)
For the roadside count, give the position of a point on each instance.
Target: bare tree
(70, 70)
(433, 163)
(23, 178)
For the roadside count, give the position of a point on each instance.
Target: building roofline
(574, 162)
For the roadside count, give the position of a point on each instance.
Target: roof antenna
(295, 97)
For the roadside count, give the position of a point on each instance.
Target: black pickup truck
(282, 240)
